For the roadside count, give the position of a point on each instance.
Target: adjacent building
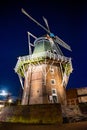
(77, 95)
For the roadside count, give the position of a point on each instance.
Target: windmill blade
(58, 49)
(46, 22)
(24, 12)
(62, 43)
(56, 38)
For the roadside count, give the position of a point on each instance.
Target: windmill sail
(62, 43)
(46, 22)
(24, 12)
(58, 49)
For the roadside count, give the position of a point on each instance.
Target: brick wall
(33, 114)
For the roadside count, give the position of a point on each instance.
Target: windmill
(46, 71)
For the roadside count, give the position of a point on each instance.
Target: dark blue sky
(67, 19)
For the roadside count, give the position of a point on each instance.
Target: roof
(42, 45)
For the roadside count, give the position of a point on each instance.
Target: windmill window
(53, 91)
(51, 70)
(53, 82)
(54, 95)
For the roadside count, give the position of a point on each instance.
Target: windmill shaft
(24, 12)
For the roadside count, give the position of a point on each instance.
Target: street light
(10, 101)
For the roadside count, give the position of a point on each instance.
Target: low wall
(33, 114)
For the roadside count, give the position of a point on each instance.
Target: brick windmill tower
(44, 73)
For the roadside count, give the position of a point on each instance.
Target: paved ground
(70, 126)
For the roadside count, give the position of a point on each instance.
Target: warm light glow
(10, 100)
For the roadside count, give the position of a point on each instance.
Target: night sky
(67, 19)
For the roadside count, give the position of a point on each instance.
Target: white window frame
(54, 82)
(54, 94)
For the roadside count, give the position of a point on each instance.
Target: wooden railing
(45, 54)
